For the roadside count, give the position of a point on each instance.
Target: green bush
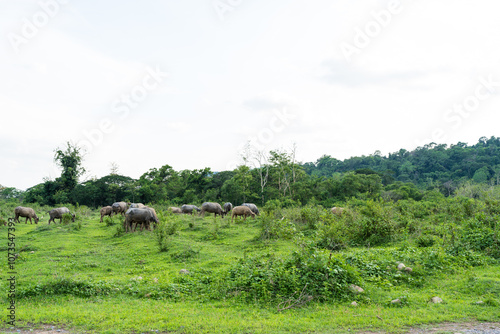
(66, 218)
(163, 232)
(333, 235)
(272, 228)
(425, 241)
(67, 286)
(375, 225)
(311, 215)
(272, 279)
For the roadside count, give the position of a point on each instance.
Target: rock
(436, 300)
(184, 272)
(356, 289)
(401, 266)
(354, 304)
(396, 301)
(408, 269)
(479, 302)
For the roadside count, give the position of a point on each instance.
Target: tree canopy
(276, 175)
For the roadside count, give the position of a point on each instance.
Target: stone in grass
(184, 272)
(401, 266)
(436, 300)
(356, 289)
(408, 269)
(354, 304)
(396, 301)
(479, 302)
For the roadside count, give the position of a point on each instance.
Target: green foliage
(311, 215)
(272, 279)
(425, 241)
(119, 231)
(185, 254)
(163, 233)
(114, 220)
(333, 235)
(66, 218)
(273, 228)
(376, 224)
(67, 286)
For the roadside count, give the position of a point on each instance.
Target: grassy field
(91, 276)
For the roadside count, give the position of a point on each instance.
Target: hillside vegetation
(276, 175)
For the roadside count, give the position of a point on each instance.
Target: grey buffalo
(119, 207)
(24, 212)
(58, 214)
(106, 211)
(227, 207)
(211, 207)
(189, 209)
(252, 207)
(135, 216)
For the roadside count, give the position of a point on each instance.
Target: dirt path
(463, 328)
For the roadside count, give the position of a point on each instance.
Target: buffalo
(119, 207)
(252, 207)
(27, 213)
(189, 209)
(106, 211)
(337, 210)
(174, 209)
(227, 207)
(58, 214)
(143, 216)
(242, 210)
(212, 207)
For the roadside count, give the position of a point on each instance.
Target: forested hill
(424, 166)
(277, 176)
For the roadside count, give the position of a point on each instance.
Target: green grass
(84, 275)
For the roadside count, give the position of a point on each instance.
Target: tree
(70, 161)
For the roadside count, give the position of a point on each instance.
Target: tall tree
(70, 161)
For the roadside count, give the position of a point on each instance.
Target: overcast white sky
(189, 83)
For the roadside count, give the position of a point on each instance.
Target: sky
(192, 83)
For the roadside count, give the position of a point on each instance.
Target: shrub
(185, 254)
(272, 228)
(120, 230)
(67, 286)
(425, 241)
(311, 215)
(333, 235)
(66, 218)
(375, 226)
(163, 231)
(274, 279)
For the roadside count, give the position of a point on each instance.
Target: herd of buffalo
(140, 214)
